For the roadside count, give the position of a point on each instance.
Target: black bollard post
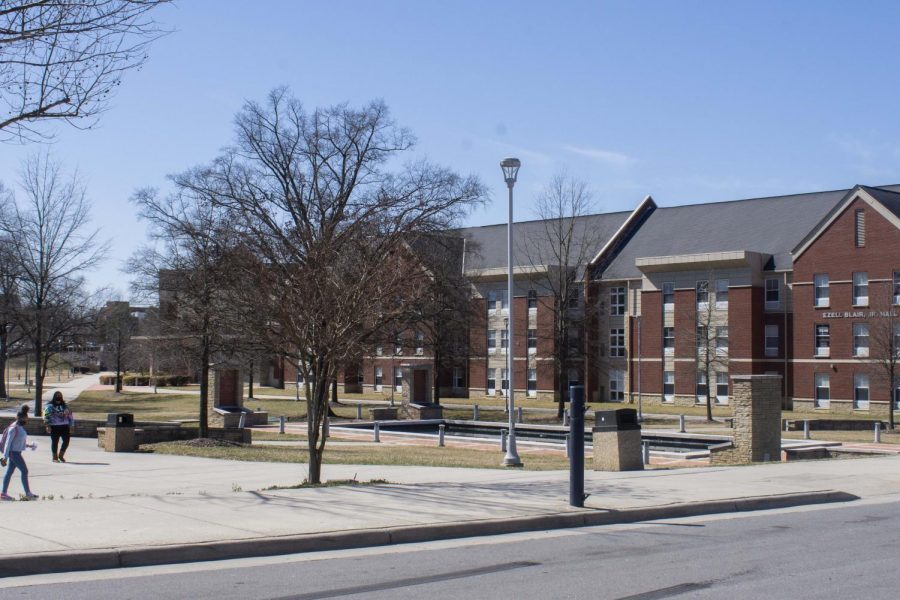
(576, 446)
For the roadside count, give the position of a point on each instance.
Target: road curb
(95, 559)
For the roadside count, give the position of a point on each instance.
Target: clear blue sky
(687, 101)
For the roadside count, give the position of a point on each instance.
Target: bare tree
(712, 337)
(117, 326)
(884, 343)
(558, 254)
(61, 60)
(331, 223)
(10, 332)
(52, 244)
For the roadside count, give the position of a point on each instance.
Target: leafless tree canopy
(884, 342)
(63, 59)
(331, 213)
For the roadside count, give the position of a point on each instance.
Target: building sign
(858, 314)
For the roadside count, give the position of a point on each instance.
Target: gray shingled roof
(885, 194)
(486, 247)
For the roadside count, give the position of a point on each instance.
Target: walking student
(15, 440)
(58, 420)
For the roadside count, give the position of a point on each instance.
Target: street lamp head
(510, 168)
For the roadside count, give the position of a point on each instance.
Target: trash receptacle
(617, 441)
(120, 420)
(119, 433)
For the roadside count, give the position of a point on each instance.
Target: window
(702, 292)
(860, 230)
(668, 293)
(702, 337)
(896, 347)
(861, 340)
(721, 340)
(860, 289)
(575, 345)
(821, 289)
(379, 378)
(701, 385)
(668, 386)
(722, 388)
(861, 391)
(721, 293)
(491, 381)
(896, 287)
(617, 301)
(504, 381)
(459, 379)
(532, 383)
(491, 341)
(420, 343)
(897, 396)
(617, 342)
(668, 340)
(616, 385)
(575, 297)
(773, 290)
(504, 340)
(823, 341)
(532, 299)
(497, 300)
(823, 390)
(398, 379)
(771, 340)
(398, 344)
(379, 350)
(532, 341)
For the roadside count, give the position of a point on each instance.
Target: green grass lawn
(365, 454)
(144, 406)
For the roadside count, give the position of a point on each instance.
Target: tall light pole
(510, 168)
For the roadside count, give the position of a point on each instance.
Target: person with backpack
(15, 440)
(58, 420)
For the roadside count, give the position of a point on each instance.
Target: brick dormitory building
(797, 285)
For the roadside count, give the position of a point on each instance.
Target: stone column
(757, 421)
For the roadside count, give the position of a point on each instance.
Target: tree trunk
(4, 341)
(891, 400)
(250, 392)
(436, 383)
(316, 408)
(118, 369)
(204, 394)
(38, 379)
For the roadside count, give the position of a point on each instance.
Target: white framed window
(861, 340)
(668, 295)
(504, 340)
(823, 341)
(773, 293)
(504, 382)
(668, 340)
(532, 299)
(896, 287)
(616, 385)
(398, 344)
(861, 289)
(532, 382)
(617, 301)
(721, 388)
(379, 378)
(532, 341)
(896, 347)
(823, 390)
(721, 340)
(701, 386)
(491, 341)
(702, 337)
(575, 297)
(860, 230)
(459, 378)
(897, 395)
(491, 382)
(702, 293)
(420, 343)
(497, 300)
(721, 293)
(771, 340)
(617, 342)
(492, 301)
(861, 391)
(379, 350)
(398, 379)
(503, 301)
(668, 386)
(820, 282)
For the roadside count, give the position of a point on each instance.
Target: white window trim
(861, 404)
(721, 399)
(771, 351)
(825, 402)
(772, 303)
(668, 306)
(724, 303)
(860, 351)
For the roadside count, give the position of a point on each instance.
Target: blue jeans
(16, 462)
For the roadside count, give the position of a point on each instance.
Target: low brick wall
(147, 432)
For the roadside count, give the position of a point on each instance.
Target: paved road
(841, 552)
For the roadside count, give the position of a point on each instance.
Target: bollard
(376, 432)
(325, 428)
(877, 432)
(566, 418)
(646, 448)
(568, 446)
(281, 424)
(806, 429)
(503, 434)
(475, 414)
(680, 423)
(359, 412)
(576, 437)
(520, 415)
(441, 435)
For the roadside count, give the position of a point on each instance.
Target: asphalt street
(822, 552)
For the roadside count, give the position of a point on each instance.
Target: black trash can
(120, 420)
(621, 419)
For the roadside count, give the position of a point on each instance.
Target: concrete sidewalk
(128, 509)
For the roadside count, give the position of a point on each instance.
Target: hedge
(146, 380)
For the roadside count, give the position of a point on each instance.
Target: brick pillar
(756, 400)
